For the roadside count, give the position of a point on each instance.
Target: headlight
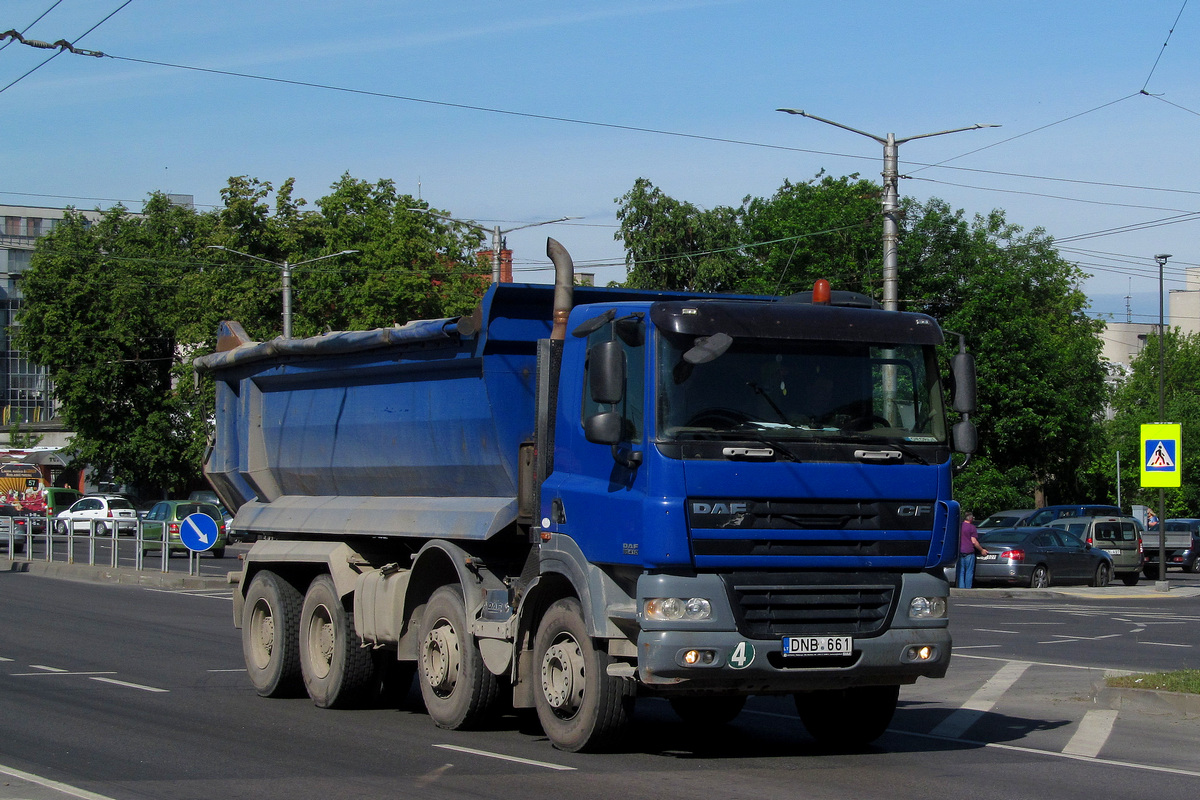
(666, 609)
(927, 608)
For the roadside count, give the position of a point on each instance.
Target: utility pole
(1162, 584)
(286, 268)
(891, 197)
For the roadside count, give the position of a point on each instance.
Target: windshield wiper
(856, 436)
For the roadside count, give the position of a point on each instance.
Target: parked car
(209, 496)
(110, 509)
(1010, 518)
(1047, 514)
(59, 499)
(1037, 557)
(1182, 547)
(170, 513)
(1120, 537)
(20, 524)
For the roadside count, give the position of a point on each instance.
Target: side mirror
(603, 428)
(963, 367)
(964, 437)
(606, 372)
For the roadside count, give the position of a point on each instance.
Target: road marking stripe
(1092, 734)
(1032, 663)
(487, 754)
(82, 794)
(1165, 644)
(48, 669)
(130, 685)
(993, 630)
(1073, 757)
(59, 672)
(982, 701)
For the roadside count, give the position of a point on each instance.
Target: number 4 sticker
(742, 655)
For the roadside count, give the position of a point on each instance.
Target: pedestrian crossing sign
(1162, 456)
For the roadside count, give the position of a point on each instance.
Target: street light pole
(286, 268)
(1162, 584)
(494, 230)
(891, 197)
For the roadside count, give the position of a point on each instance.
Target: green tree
(1135, 403)
(1041, 382)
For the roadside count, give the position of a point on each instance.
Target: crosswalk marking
(982, 701)
(1092, 734)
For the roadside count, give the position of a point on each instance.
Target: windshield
(801, 390)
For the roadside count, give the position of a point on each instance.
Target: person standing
(968, 548)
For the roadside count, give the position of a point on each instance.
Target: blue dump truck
(578, 496)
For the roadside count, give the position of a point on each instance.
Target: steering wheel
(868, 422)
(716, 418)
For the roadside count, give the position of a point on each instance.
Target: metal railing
(110, 538)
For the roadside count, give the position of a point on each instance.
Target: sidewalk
(102, 574)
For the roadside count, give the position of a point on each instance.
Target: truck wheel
(457, 687)
(271, 634)
(708, 711)
(581, 707)
(847, 718)
(338, 671)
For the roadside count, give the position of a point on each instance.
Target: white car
(106, 509)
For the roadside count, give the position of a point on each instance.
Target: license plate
(988, 557)
(818, 645)
(1113, 552)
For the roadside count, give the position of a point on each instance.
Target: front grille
(865, 548)
(771, 605)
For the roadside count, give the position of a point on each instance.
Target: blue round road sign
(198, 532)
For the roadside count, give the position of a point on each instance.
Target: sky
(514, 113)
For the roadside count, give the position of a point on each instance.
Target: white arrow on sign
(194, 528)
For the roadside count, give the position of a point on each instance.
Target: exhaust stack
(564, 286)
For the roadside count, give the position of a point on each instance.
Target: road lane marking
(958, 647)
(515, 759)
(1191, 773)
(59, 672)
(1065, 639)
(48, 669)
(130, 685)
(1092, 734)
(1165, 644)
(1032, 663)
(71, 791)
(993, 630)
(982, 701)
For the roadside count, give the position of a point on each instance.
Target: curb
(1148, 701)
(99, 574)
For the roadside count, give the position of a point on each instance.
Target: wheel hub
(440, 658)
(562, 676)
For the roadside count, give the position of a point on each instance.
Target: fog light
(699, 657)
(927, 608)
(920, 652)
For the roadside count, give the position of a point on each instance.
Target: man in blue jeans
(968, 546)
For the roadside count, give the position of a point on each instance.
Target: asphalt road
(115, 691)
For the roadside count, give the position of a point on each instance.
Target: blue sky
(1081, 149)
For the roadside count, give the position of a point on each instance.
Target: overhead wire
(35, 22)
(62, 50)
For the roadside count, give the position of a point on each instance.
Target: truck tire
(456, 686)
(338, 671)
(271, 636)
(581, 707)
(708, 711)
(847, 718)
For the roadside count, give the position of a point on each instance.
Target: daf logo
(914, 511)
(719, 508)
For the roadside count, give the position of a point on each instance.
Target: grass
(1183, 680)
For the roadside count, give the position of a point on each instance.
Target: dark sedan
(1036, 557)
